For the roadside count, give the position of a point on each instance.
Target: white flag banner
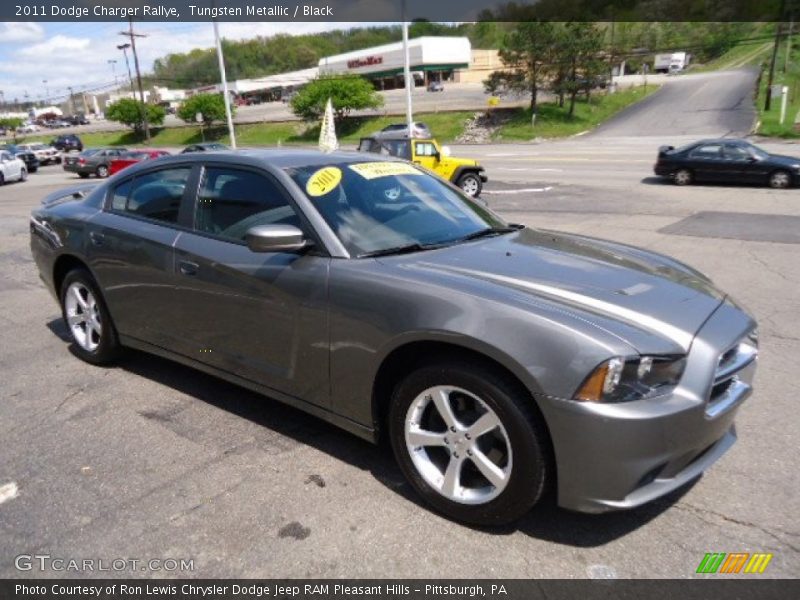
(327, 131)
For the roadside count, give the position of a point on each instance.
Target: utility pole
(46, 92)
(226, 96)
(71, 100)
(132, 36)
(771, 78)
(407, 73)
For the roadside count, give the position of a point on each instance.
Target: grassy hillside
(770, 120)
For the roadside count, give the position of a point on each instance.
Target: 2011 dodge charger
(496, 358)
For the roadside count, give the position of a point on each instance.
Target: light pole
(113, 64)
(124, 48)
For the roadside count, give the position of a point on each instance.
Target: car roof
(281, 158)
(394, 135)
(722, 141)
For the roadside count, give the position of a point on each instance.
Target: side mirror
(275, 238)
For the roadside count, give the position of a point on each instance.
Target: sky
(77, 54)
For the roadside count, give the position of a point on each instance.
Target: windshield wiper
(408, 248)
(489, 231)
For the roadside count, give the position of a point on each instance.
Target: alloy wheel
(458, 445)
(469, 185)
(83, 316)
(102, 171)
(683, 177)
(779, 179)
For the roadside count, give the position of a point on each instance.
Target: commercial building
(447, 59)
(430, 58)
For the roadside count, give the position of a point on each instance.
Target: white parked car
(46, 154)
(11, 168)
(28, 128)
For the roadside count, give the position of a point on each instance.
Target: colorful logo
(735, 562)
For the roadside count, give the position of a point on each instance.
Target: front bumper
(619, 456)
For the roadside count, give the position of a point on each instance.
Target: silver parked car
(92, 161)
(497, 359)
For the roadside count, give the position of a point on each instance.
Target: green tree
(11, 122)
(211, 106)
(347, 93)
(577, 61)
(527, 54)
(130, 112)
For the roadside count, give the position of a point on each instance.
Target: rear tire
(2, 179)
(85, 314)
(683, 177)
(23, 174)
(470, 184)
(495, 432)
(102, 171)
(780, 179)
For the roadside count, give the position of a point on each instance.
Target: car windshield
(90, 151)
(377, 207)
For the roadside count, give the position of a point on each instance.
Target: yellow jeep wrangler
(426, 152)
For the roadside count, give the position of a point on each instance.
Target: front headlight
(627, 379)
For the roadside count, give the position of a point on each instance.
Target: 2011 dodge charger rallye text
(497, 359)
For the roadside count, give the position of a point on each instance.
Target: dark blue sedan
(727, 160)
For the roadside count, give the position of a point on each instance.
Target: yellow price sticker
(323, 181)
(373, 170)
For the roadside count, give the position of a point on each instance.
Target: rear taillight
(82, 161)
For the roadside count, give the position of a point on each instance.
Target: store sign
(364, 62)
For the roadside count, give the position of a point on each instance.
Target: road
(149, 459)
(702, 104)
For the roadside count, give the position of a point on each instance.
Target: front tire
(780, 180)
(23, 174)
(470, 184)
(102, 171)
(84, 311)
(470, 441)
(683, 177)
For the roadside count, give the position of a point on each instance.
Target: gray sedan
(92, 161)
(497, 360)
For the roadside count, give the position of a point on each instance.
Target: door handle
(97, 238)
(188, 268)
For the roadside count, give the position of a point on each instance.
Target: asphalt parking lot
(150, 459)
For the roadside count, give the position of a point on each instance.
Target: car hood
(781, 159)
(646, 290)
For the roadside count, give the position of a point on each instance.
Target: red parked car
(132, 157)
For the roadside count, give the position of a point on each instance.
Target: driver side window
(231, 201)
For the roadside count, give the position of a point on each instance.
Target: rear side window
(707, 151)
(232, 201)
(155, 195)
